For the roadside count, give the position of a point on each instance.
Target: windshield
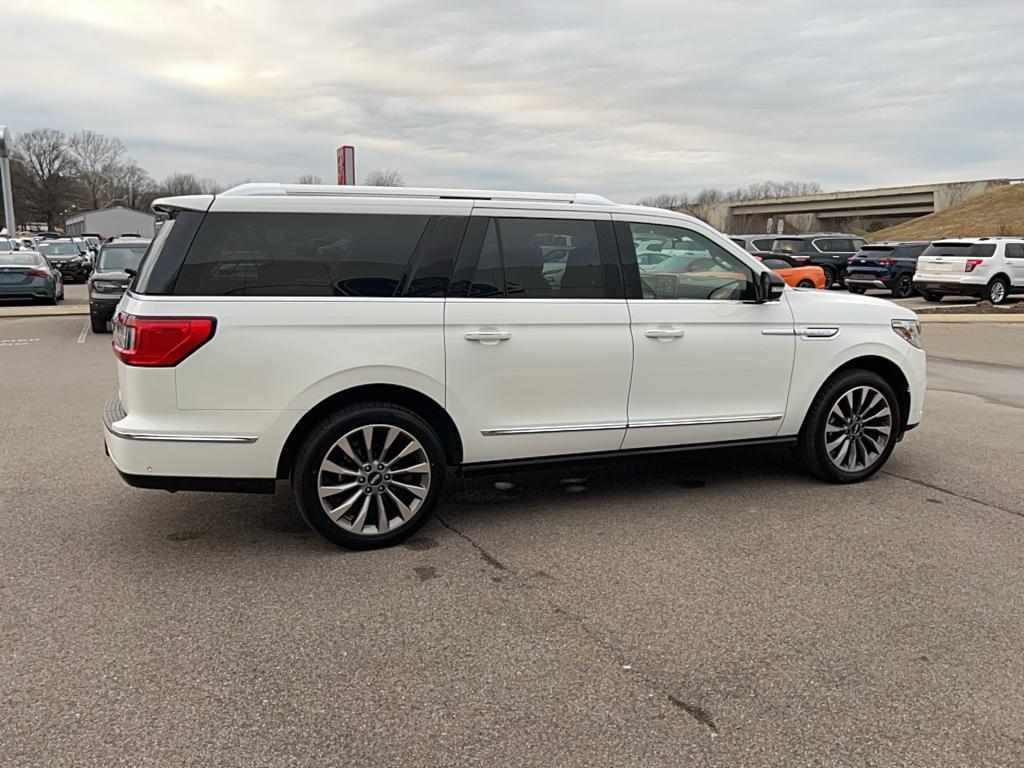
(788, 246)
(121, 257)
(20, 259)
(947, 249)
(58, 249)
(6, 245)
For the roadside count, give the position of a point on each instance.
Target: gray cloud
(625, 99)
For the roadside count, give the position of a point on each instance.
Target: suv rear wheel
(932, 296)
(851, 427)
(830, 275)
(903, 288)
(369, 475)
(998, 290)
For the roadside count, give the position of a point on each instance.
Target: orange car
(798, 277)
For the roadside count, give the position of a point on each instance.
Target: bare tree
(671, 202)
(132, 187)
(309, 178)
(187, 184)
(387, 178)
(48, 178)
(98, 158)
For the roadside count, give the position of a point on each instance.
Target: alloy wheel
(997, 292)
(858, 429)
(374, 479)
(904, 286)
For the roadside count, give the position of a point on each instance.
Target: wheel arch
(888, 370)
(421, 404)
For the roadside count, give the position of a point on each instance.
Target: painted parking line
(17, 342)
(85, 330)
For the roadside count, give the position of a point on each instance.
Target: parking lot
(712, 609)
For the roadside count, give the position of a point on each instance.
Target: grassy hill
(998, 212)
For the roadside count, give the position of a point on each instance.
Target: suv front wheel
(998, 290)
(369, 475)
(851, 427)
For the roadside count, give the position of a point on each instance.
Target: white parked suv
(362, 342)
(986, 267)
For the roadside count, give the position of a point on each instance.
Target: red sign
(346, 165)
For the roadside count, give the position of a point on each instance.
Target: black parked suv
(67, 256)
(828, 250)
(111, 277)
(885, 265)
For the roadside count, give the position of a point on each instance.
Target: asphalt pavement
(715, 609)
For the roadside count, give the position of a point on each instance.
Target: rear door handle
(488, 337)
(664, 334)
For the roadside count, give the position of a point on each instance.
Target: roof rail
(328, 190)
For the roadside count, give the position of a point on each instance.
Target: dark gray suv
(829, 250)
(110, 279)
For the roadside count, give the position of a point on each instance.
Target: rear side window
(532, 258)
(946, 249)
(834, 245)
(300, 254)
(981, 250)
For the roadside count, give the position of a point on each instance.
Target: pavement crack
(486, 556)
(697, 713)
(953, 493)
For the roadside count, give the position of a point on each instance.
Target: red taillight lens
(159, 341)
(971, 264)
(37, 273)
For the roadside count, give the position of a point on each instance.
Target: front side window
(762, 245)
(1014, 251)
(691, 266)
(299, 254)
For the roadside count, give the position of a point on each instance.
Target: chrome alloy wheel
(858, 429)
(997, 292)
(374, 479)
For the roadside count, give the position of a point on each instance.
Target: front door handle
(664, 334)
(488, 337)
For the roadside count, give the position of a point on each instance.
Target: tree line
(56, 174)
(760, 191)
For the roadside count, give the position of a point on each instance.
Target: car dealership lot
(715, 608)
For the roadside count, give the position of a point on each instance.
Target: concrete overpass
(836, 210)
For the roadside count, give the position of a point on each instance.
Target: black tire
(830, 275)
(805, 284)
(903, 288)
(812, 444)
(855, 289)
(99, 325)
(319, 445)
(998, 290)
(51, 300)
(932, 296)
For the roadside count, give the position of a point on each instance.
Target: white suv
(986, 267)
(361, 342)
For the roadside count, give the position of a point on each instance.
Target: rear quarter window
(300, 254)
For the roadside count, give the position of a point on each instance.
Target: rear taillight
(886, 262)
(159, 341)
(971, 264)
(37, 273)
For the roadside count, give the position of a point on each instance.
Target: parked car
(26, 243)
(110, 279)
(66, 256)
(794, 274)
(9, 245)
(28, 275)
(365, 341)
(755, 243)
(987, 267)
(886, 265)
(828, 250)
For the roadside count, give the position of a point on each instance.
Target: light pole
(6, 145)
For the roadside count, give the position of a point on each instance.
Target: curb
(74, 309)
(936, 317)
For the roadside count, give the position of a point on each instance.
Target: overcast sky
(624, 99)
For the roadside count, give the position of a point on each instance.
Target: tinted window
(981, 250)
(1014, 251)
(551, 259)
(762, 245)
(489, 279)
(692, 267)
(789, 246)
(775, 263)
(114, 257)
(435, 257)
(299, 254)
(834, 245)
(58, 249)
(946, 249)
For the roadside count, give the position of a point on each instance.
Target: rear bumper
(29, 292)
(866, 282)
(939, 285)
(74, 272)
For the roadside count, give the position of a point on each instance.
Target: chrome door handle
(664, 333)
(488, 337)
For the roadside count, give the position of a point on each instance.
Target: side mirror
(768, 287)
